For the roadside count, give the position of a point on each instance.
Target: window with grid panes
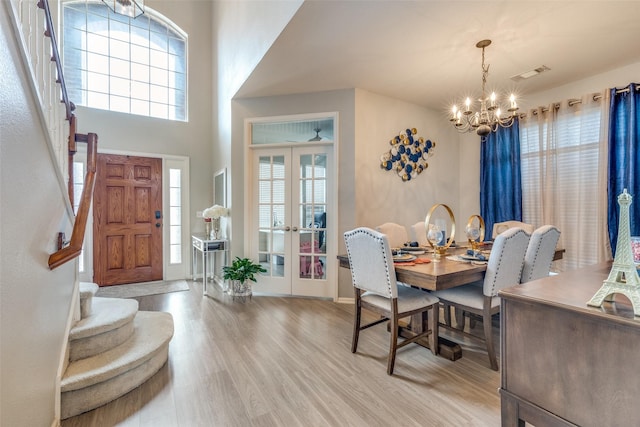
(113, 62)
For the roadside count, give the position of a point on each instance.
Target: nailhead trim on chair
(507, 238)
(535, 258)
(363, 230)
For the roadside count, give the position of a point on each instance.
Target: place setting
(408, 254)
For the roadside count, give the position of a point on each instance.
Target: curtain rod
(572, 102)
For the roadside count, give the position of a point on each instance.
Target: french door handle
(295, 228)
(287, 228)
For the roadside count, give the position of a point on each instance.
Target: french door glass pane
(313, 196)
(271, 214)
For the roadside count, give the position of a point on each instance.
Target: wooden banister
(74, 248)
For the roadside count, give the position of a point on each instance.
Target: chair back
(504, 267)
(540, 252)
(419, 234)
(396, 234)
(371, 262)
(500, 227)
(320, 221)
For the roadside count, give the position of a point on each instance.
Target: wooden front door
(127, 220)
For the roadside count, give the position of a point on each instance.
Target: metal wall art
(408, 154)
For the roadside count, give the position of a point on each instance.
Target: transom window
(113, 62)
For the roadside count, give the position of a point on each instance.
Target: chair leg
(447, 314)
(472, 322)
(434, 314)
(356, 321)
(488, 337)
(459, 319)
(393, 344)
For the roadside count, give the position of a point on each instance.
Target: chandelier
(490, 116)
(130, 8)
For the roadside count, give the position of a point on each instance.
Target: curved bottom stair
(120, 365)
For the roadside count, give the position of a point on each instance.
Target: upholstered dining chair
(500, 227)
(540, 252)
(419, 234)
(504, 269)
(376, 290)
(396, 234)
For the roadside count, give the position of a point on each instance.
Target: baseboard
(343, 300)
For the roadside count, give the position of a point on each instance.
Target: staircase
(112, 350)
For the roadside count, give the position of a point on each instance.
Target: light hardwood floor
(275, 361)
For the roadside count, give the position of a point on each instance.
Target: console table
(210, 251)
(564, 363)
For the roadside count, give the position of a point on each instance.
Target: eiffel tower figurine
(623, 278)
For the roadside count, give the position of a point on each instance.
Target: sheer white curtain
(564, 176)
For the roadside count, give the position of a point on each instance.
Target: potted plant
(240, 274)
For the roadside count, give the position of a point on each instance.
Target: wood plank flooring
(274, 361)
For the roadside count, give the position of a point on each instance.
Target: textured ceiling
(424, 51)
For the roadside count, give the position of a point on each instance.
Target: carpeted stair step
(97, 380)
(109, 325)
(87, 291)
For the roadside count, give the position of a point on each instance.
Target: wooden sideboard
(564, 363)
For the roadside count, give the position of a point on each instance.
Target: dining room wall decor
(408, 154)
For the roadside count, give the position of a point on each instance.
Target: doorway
(127, 220)
(291, 213)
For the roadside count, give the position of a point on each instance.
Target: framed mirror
(220, 188)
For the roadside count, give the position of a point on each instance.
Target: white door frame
(169, 272)
(332, 211)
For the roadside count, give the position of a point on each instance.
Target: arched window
(117, 63)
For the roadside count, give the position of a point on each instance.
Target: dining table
(450, 270)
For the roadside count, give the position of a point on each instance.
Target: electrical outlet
(198, 214)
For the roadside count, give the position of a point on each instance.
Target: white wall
(243, 32)
(131, 133)
(34, 301)
(381, 196)
(619, 77)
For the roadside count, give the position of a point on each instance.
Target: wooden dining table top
(436, 276)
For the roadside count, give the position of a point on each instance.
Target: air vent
(528, 74)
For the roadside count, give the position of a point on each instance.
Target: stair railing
(31, 24)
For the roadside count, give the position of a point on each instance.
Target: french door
(291, 201)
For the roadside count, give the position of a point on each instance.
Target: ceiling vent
(528, 74)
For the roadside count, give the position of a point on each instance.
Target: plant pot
(239, 289)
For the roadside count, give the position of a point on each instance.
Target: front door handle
(158, 225)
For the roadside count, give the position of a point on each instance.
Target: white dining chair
(419, 234)
(504, 269)
(500, 227)
(396, 234)
(376, 290)
(540, 253)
